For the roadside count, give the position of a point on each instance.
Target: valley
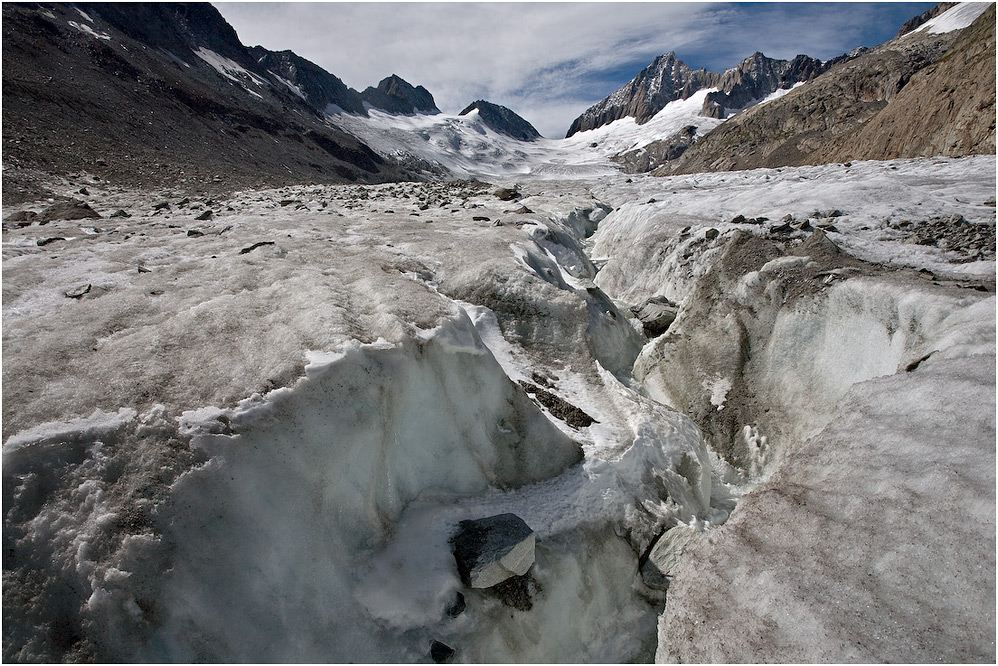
(252, 401)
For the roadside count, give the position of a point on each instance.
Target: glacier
(253, 435)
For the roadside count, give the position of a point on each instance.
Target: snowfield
(249, 437)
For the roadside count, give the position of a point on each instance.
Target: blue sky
(550, 61)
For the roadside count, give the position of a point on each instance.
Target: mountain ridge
(668, 79)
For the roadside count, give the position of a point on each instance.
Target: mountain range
(165, 92)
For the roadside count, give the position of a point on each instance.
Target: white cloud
(546, 61)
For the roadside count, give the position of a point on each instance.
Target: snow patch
(955, 18)
(228, 68)
(88, 30)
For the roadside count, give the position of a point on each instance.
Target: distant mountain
(503, 120)
(161, 94)
(755, 78)
(396, 95)
(668, 79)
(924, 93)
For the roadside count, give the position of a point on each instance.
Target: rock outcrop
(396, 95)
(503, 120)
(656, 153)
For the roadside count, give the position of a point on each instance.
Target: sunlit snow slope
(464, 147)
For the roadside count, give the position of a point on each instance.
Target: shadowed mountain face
(324, 91)
(917, 95)
(396, 95)
(150, 94)
(503, 120)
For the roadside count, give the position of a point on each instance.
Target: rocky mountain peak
(396, 95)
(666, 79)
(756, 77)
(503, 120)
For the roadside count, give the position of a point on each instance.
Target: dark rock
(507, 193)
(247, 250)
(497, 223)
(523, 210)
(490, 550)
(738, 219)
(69, 210)
(559, 407)
(194, 233)
(711, 234)
(204, 216)
(480, 218)
(162, 205)
(322, 90)
(42, 242)
(939, 87)
(26, 216)
(441, 653)
(516, 592)
(120, 213)
(458, 606)
(183, 202)
(84, 191)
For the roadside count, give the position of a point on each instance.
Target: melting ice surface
(311, 522)
(328, 515)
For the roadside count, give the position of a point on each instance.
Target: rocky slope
(158, 93)
(947, 108)
(503, 120)
(668, 79)
(920, 94)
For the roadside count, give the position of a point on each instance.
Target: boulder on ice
(663, 559)
(656, 315)
(490, 550)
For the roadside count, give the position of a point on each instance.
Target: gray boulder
(69, 210)
(663, 559)
(656, 315)
(491, 550)
(507, 193)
